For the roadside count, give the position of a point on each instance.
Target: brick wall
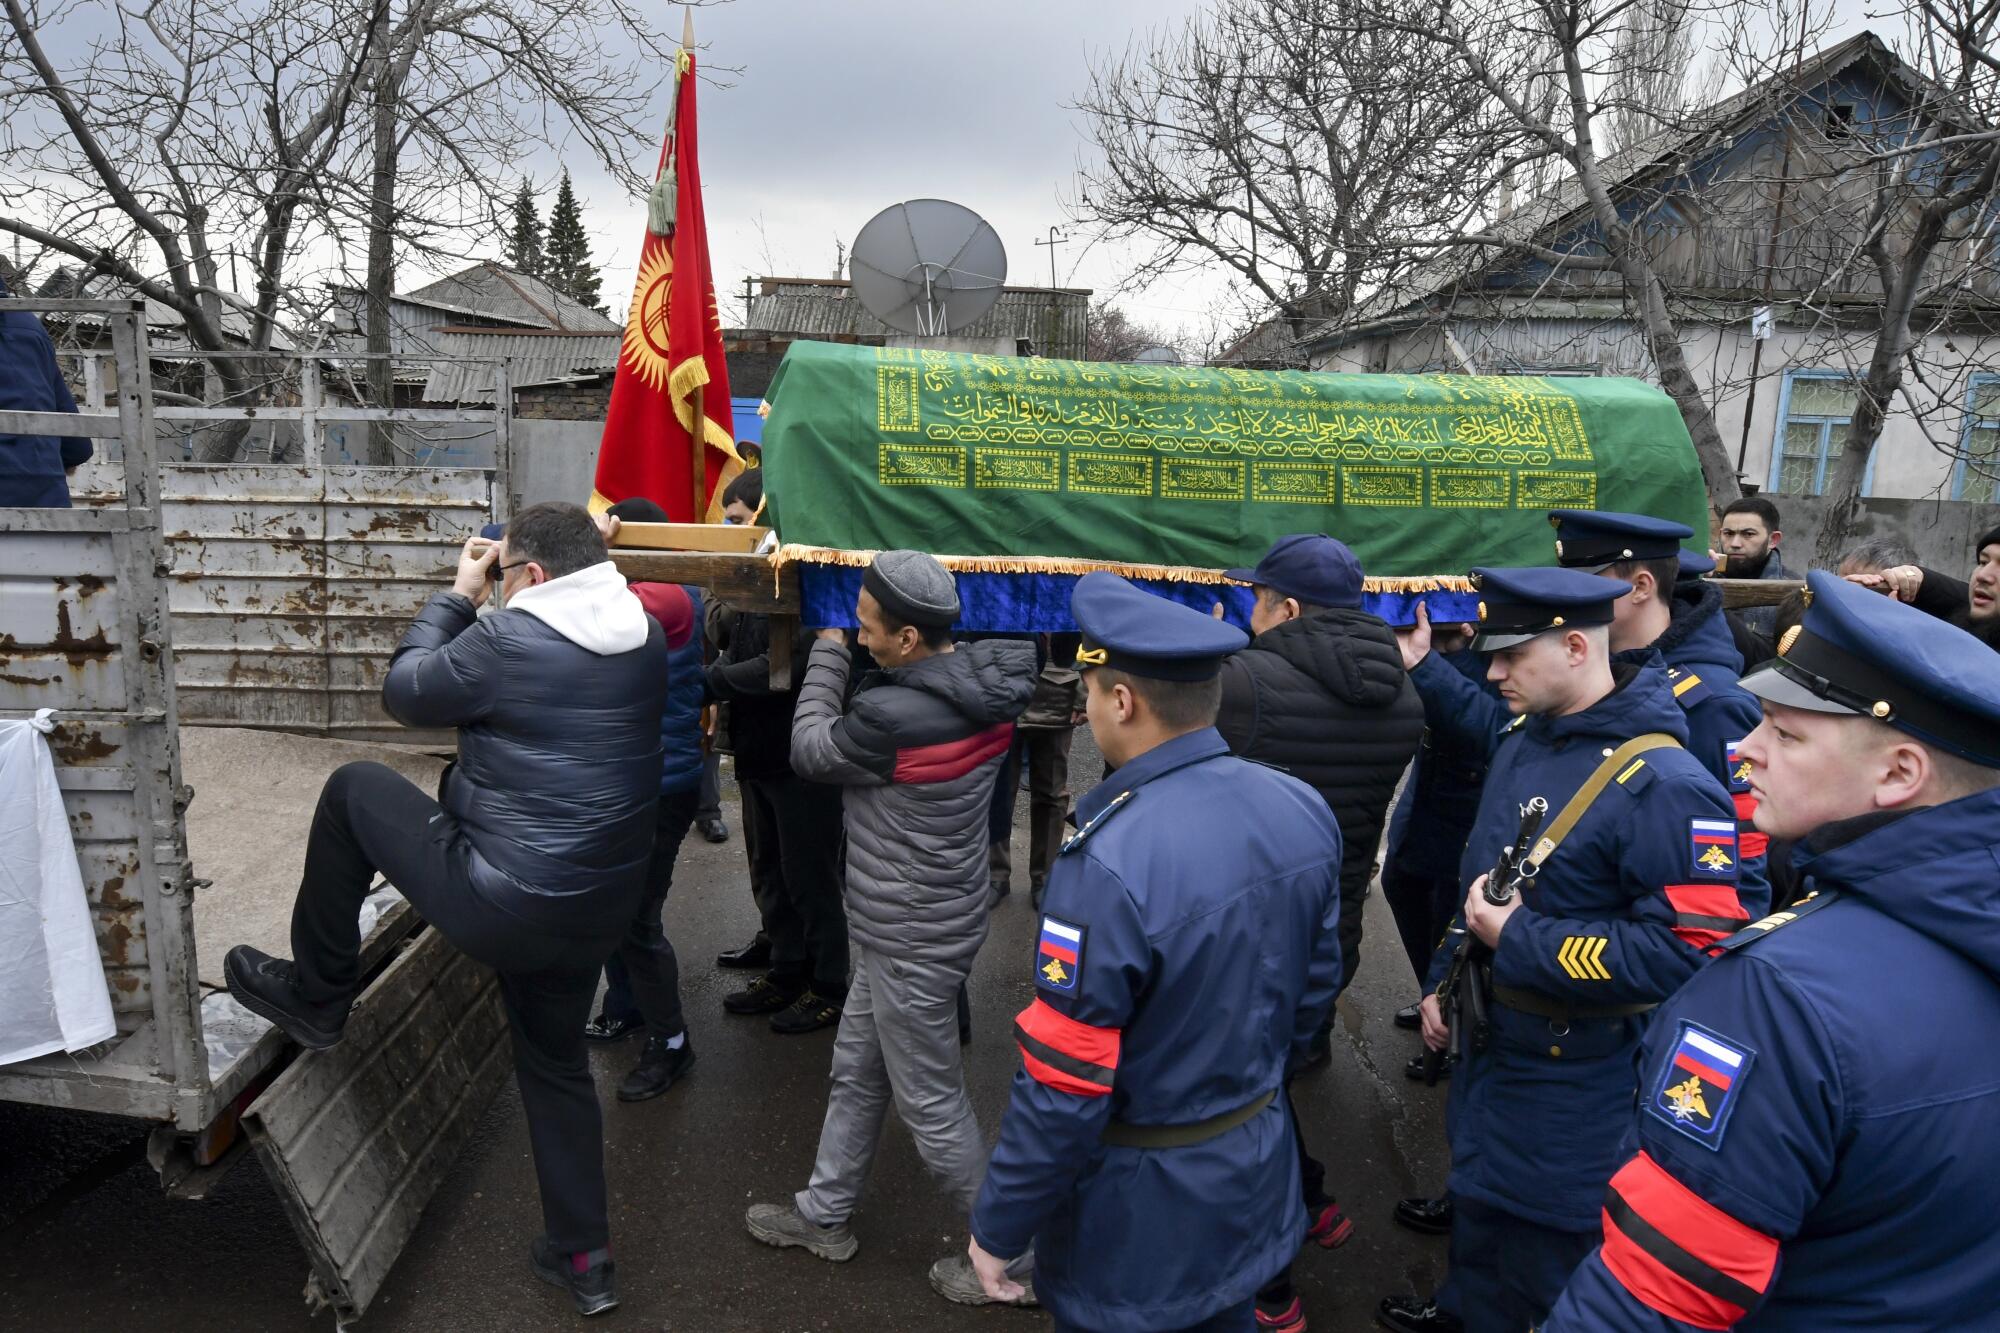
(587, 401)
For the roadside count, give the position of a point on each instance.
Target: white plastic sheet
(52, 992)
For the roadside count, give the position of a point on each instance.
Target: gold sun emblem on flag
(645, 345)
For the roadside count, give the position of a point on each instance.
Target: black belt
(1541, 1006)
(1119, 1134)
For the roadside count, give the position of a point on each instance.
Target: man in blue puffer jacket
(643, 979)
(536, 859)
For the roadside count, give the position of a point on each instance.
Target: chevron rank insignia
(1059, 957)
(1582, 957)
(1739, 768)
(1697, 1087)
(1712, 848)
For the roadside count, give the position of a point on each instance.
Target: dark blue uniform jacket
(1620, 914)
(1442, 794)
(1818, 1134)
(31, 466)
(1187, 949)
(1702, 666)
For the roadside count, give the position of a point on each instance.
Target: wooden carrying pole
(698, 418)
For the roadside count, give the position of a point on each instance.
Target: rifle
(1511, 872)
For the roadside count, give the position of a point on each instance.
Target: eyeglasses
(497, 572)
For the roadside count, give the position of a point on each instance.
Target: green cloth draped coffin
(875, 447)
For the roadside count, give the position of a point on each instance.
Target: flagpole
(698, 422)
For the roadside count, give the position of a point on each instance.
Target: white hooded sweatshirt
(592, 608)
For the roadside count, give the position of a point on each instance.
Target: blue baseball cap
(1309, 566)
(1694, 564)
(1594, 538)
(1861, 653)
(1129, 629)
(1517, 604)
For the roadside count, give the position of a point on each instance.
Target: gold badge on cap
(1882, 708)
(1482, 610)
(1791, 637)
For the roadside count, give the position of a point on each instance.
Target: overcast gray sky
(843, 107)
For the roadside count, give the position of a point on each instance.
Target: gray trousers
(898, 1038)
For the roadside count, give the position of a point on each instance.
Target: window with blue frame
(1979, 447)
(1817, 406)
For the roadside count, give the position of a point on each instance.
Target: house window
(1817, 406)
(1979, 463)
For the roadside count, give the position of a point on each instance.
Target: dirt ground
(89, 1244)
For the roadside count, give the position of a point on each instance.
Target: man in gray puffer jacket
(917, 750)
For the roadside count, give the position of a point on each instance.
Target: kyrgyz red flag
(673, 345)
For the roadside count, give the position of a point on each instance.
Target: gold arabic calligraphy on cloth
(1200, 434)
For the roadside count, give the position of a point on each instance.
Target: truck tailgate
(356, 1139)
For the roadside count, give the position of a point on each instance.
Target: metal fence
(84, 629)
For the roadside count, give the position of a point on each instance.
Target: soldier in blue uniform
(1812, 1149)
(1636, 879)
(1682, 621)
(1187, 951)
(1669, 621)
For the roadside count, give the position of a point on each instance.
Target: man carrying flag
(668, 435)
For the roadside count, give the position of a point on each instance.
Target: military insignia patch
(1059, 957)
(1739, 767)
(1698, 1087)
(1712, 848)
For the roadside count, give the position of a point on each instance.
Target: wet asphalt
(90, 1244)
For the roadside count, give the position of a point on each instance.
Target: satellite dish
(928, 266)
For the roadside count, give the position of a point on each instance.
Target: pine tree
(524, 238)
(566, 262)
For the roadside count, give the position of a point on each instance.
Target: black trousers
(798, 845)
(643, 979)
(1312, 1189)
(372, 819)
(1423, 906)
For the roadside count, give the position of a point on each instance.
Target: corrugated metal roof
(500, 292)
(1054, 319)
(532, 356)
(1543, 216)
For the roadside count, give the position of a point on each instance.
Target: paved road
(88, 1244)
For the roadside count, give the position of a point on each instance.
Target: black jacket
(760, 718)
(558, 756)
(1326, 699)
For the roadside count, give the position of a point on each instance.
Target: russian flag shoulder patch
(1712, 848)
(1698, 1087)
(1739, 767)
(1059, 955)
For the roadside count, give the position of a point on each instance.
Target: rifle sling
(1593, 787)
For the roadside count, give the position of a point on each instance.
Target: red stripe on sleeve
(1066, 1036)
(1730, 1250)
(948, 760)
(1659, 1288)
(1748, 840)
(1707, 900)
(1043, 1072)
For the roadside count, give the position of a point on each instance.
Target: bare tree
(1280, 140)
(1115, 336)
(179, 139)
(1928, 181)
(1565, 79)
